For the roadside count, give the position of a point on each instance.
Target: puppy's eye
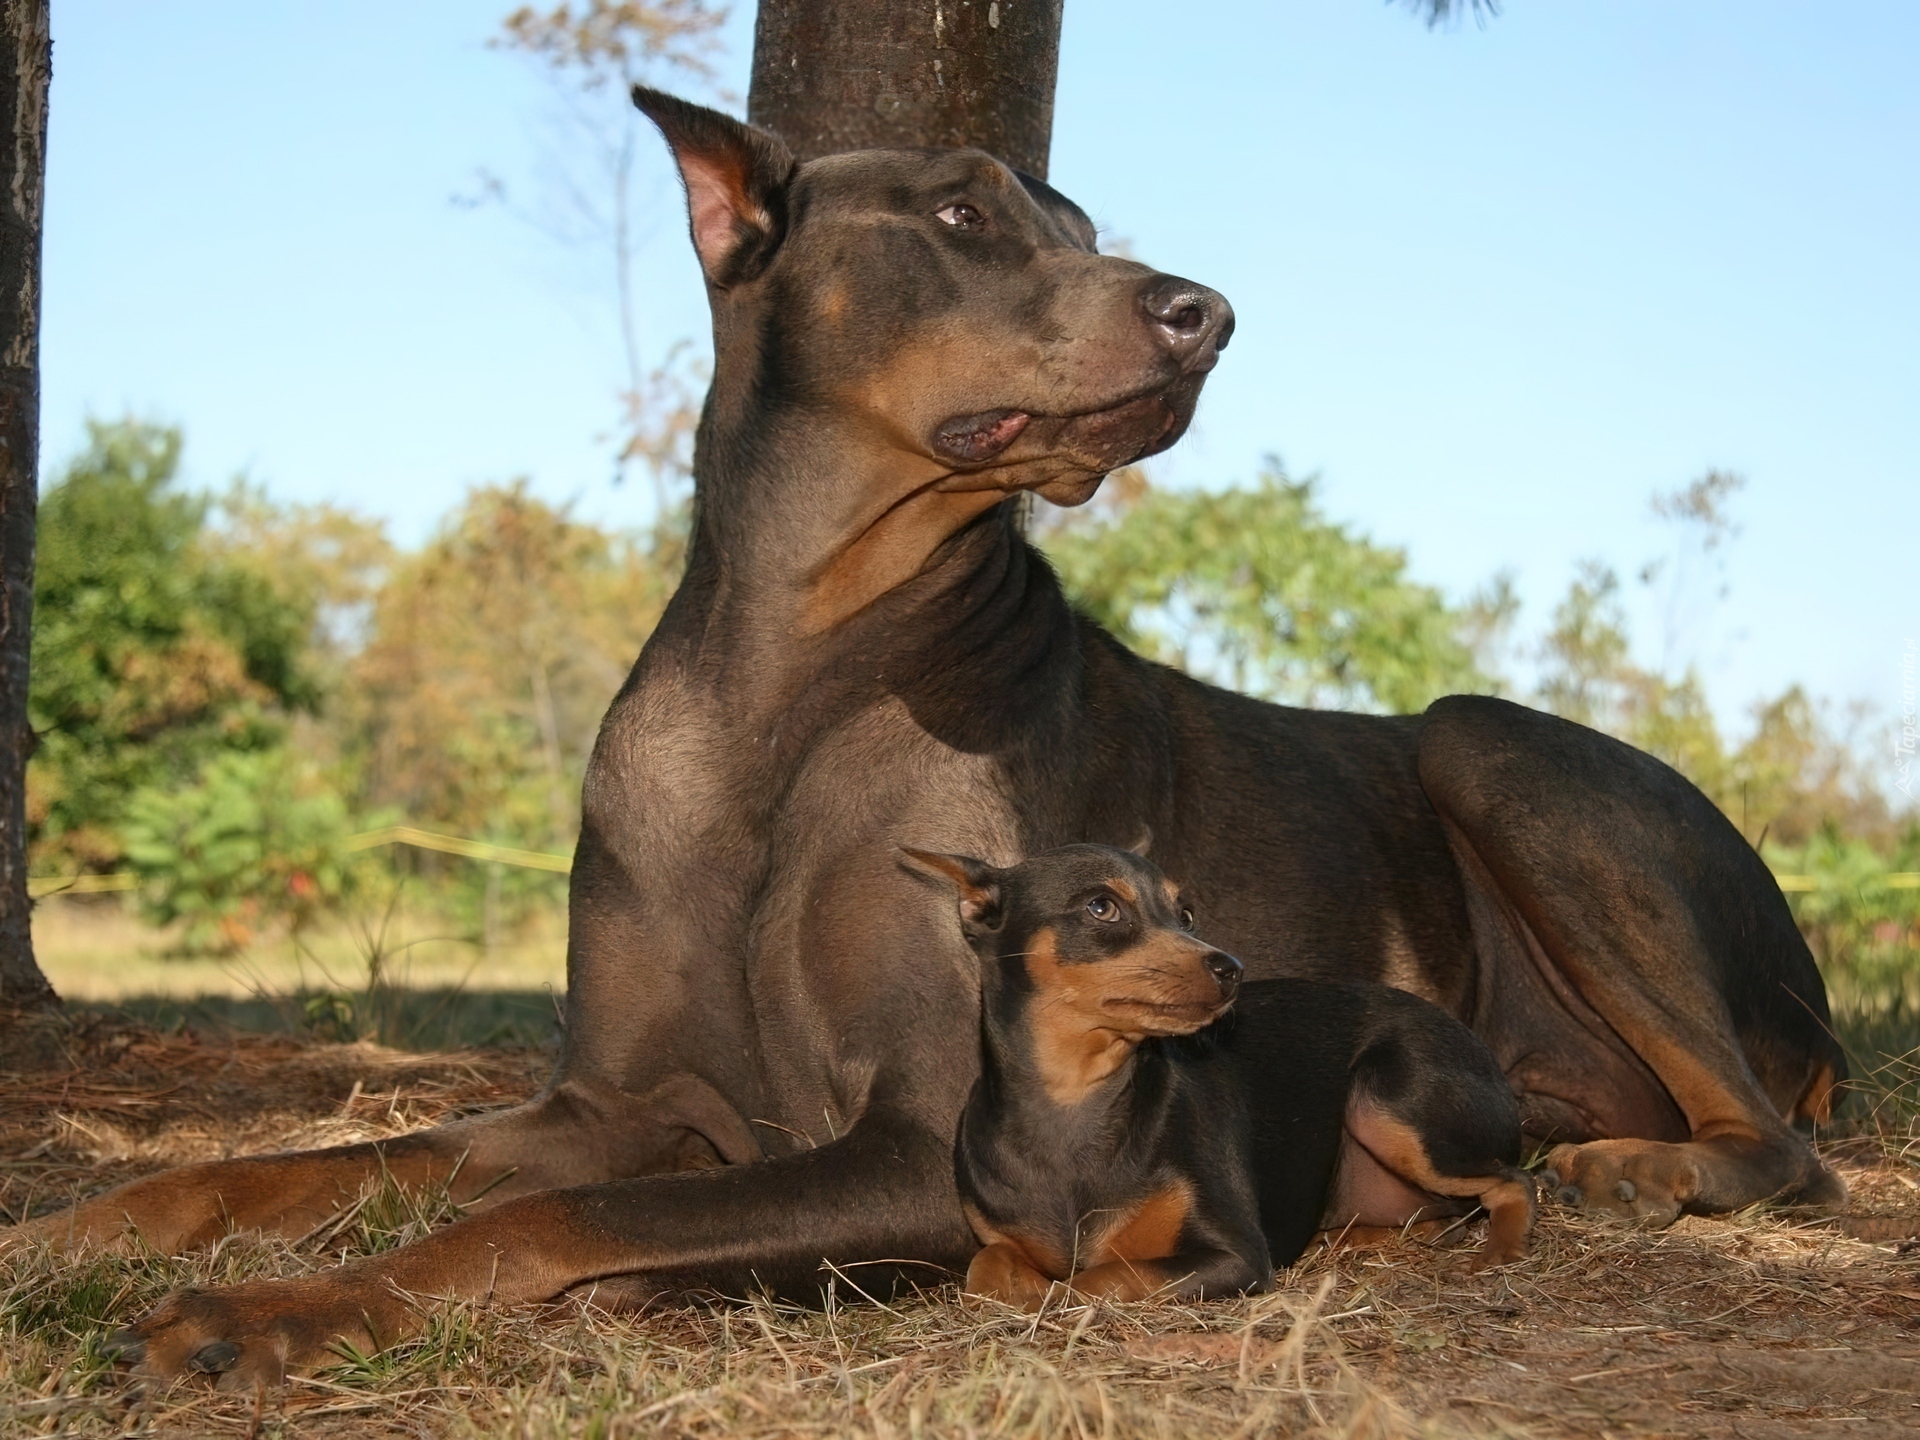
(1186, 918)
(1101, 908)
(961, 216)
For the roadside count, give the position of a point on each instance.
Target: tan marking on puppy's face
(1085, 1017)
(1162, 985)
(1075, 1045)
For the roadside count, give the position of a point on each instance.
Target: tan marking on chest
(1149, 1230)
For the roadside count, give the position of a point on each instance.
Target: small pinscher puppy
(1123, 1136)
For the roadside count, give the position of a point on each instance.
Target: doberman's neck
(806, 571)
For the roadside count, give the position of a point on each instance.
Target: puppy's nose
(1193, 322)
(1225, 970)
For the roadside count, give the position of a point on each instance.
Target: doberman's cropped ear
(1143, 842)
(736, 178)
(977, 881)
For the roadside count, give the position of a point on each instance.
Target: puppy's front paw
(1000, 1272)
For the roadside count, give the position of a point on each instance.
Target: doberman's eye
(1186, 918)
(961, 216)
(1101, 908)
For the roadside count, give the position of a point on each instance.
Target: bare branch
(1447, 12)
(616, 40)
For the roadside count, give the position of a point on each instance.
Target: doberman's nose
(1225, 970)
(1193, 322)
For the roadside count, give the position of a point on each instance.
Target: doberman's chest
(838, 953)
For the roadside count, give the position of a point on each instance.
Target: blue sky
(1496, 285)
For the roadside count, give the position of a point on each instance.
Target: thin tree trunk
(834, 75)
(23, 142)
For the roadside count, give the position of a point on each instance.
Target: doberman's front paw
(252, 1335)
(1630, 1179)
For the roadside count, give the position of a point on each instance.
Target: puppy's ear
(736, 178)
(1144, 842)
(981, 911)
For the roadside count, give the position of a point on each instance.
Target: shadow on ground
(433, 1019)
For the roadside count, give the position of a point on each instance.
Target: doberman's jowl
(771, 1024)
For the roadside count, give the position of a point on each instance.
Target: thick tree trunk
(23, 143)
(864, 74)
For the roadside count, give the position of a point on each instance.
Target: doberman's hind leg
(572, 1135)
(1601, 878)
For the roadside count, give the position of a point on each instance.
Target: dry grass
(1750, 1326)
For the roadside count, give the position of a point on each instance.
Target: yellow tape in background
(1898, 880)
(42, 885)
(454, 845)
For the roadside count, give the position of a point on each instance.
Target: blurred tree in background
(229, 690)
(152, 650)
(258, 838)
(489, 658)
(1792, 775)
(1253, 588)
(593, 53)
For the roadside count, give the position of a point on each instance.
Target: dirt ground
(1748, 1326)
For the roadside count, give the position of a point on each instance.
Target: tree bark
(23, 143)
(833, 75)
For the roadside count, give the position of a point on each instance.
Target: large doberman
(771, 1025)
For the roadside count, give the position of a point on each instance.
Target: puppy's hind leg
(1402, 1149)
(1509, 1202)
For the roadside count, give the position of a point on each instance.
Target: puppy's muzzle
(1226, 972)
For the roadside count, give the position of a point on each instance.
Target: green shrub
(1862, 913)
(260, 838)
(151, 651)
